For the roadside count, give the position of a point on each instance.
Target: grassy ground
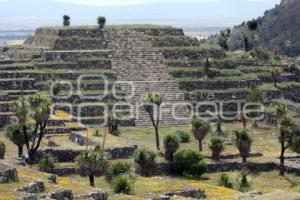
(265, 141)
(158, 185)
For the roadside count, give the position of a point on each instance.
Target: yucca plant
(171, 144)
(92, 164)
(146, 161)
(66, 20)
(216, 146)
(15, 134)
(101, 21)
(243, 142)
(155, 100)
(200, 130)
(47, 163)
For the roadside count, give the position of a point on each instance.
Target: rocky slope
(279, 28)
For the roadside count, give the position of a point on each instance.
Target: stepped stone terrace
(118, 66)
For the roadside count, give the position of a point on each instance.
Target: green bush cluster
(189, 162)
(184, 136)
(119, 168)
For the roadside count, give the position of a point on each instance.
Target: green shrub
(2, 150)
(119, 168)
(146, 161)
(224, 181)
(243, 184)
(189, 162)
(171, 144)
(184, 136)
(47, 163)
(216, 146)
(122, 185)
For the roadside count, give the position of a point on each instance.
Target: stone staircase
(140, 71)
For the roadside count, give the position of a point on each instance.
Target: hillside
(89, 73)
(279, 28)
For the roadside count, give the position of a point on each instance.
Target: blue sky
(35, 13)
(134, 2)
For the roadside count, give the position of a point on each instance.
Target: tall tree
(200, 130)
(155, 101)
(33, 111)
